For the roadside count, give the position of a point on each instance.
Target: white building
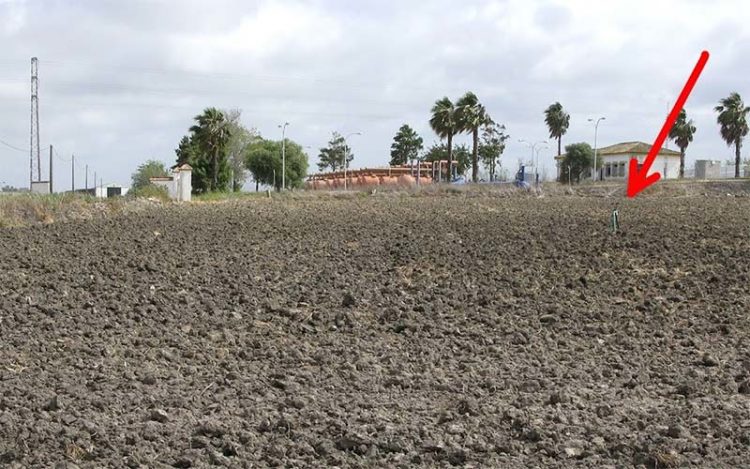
(614, 160)
(104, 191)
(179, 185)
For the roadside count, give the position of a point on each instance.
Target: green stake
(615, 221)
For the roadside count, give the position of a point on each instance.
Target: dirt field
(380, 332)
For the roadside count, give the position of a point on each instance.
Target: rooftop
(629, 148)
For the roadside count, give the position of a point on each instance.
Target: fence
(726, 171)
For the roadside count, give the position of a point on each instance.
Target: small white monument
(179, 185)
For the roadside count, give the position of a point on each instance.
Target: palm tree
(443, 122)
(471, 117)
(682, 133)
(733, 121)
(558, 122)
(211, 128)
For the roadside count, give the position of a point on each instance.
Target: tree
(189, 152)
(557, 121)
(578, 159)
(211, 133)
(492, 146)
(332, 156)
(205, 149)
(406, 146)
(239, 138)
(263, 160)
(439, 152)
(443, 122)
(471, 116)
(682, 133)
(734, 127)
(145, 171)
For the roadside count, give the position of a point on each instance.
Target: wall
(179, 186)
(40, 187)
(185, 185)
(101, 191)
(169, 185)
(668, 166)
(707, 169)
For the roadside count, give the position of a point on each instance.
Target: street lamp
(596, 131)
(283, 155)
(533, 151)
(346, 153)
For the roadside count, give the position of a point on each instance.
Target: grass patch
(150, 191)
(228, 196)
(17, 210)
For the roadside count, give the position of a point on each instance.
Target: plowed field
(380, 332)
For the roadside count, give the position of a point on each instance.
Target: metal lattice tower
(35, 158)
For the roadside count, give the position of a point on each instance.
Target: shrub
(150, 191)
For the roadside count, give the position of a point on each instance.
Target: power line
(22, 150)
(101, 88)
(224, 76)
(54, 149)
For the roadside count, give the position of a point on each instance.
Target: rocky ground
(380, 332)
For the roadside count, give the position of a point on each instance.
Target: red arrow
(640, 179)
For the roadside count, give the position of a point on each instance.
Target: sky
(120, 81)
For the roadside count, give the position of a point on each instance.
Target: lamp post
(533, 151)
(283, 154)
(596, 131)
(346, 153)
(536, 163)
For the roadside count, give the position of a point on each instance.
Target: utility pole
(51, 191)
(283, 154)
(86, 184)
(73, 173)
(346, 153)
(95, 184)
(535, 151)
(596, 131)
(34, 145)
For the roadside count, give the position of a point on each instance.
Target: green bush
(150, 191)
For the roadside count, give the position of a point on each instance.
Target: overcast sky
(120, 80)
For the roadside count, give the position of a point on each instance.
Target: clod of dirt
(66, 465)
(455, 429)
(530, 386)
(676, 431)
(151, 431)
(230, 449)
(199, 442)
(53, 404)
(210, 428)
(351, 443)
(348, 301)
(661, 459)
(159, 415)
(466, 407)
(575, 450)
(558, 397)
(744, 387)
(709, 360)
(548, 319)
(218, 459)
(183, 463)
(457, 457)
(519, 339)
(148, 380)
(685, 389)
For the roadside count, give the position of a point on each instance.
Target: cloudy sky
(120, 80)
